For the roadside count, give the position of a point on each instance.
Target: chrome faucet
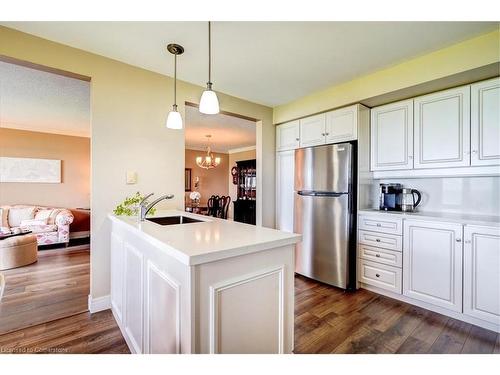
(144, 209)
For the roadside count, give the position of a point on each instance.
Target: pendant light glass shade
(174, 120)
(209, 103)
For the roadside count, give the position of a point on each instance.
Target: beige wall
(212, 181)
(74, 191)
(129, 106)
(233, 158)
(461, 57)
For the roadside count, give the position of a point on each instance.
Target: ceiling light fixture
(174, 119)
(208, 161)
(209, 104)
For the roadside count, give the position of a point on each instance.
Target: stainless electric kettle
(408, 203)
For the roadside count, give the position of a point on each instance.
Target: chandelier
(208, 161)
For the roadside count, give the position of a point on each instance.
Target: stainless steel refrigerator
(325, 213)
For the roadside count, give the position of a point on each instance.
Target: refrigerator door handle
(320, 194)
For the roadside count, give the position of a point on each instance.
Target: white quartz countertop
(440, 216)
(207, 241)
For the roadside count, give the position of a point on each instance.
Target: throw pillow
(18, 214)
(4, 213)
(29, 222)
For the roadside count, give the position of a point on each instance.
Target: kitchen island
(185, 283)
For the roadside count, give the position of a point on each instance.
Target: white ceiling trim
(241, 149)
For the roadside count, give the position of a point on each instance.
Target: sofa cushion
(43, 214)
(40, 228)
(18, 214)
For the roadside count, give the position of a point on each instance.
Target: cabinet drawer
(387, 241)
(375, 254)
(377, 223)
(380, 275)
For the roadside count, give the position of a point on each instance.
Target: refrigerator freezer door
(323, 168)
(324, 223)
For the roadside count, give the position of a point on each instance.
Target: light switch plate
(131, 177)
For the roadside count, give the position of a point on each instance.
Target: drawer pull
(377, 275)
(458, 240)
(377, 255)
(378, 240)
(379, 225)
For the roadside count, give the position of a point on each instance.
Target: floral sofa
(49, 224)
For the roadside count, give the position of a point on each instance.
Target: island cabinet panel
(482, 273)
(163, 322)
(392, 136)
(134, 281)
(432, 263)
(485, 122)
(442, 129)
(117, 272)
(248, 305)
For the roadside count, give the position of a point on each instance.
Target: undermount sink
(172, 220)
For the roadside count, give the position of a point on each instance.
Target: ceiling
(271, 63)
(44, 102)
(228, 132)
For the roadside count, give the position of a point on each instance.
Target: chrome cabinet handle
(327, 133)
(377, 255)
(377, 275)
(379, 225)
(297, 139)
(458, 240)
(378, 240)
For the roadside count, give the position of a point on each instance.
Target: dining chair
(224, 206)
(213, 205)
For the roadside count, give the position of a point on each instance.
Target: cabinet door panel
(432, 263)
(284, 190)
(482, 273)
(134, 286)
(485, 122)
(392, 136)
(117, 279)
(342, 124)
(312, 130)
(288, 136)
(442, 129)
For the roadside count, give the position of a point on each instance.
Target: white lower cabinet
(482, 273)
(380, 275)
(432, 263)
(285, 169)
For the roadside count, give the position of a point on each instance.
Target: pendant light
(209, 104)
(174, 119)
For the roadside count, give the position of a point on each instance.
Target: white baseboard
(99, 303)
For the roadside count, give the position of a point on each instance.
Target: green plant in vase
(130, 206)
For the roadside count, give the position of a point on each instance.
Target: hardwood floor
(56, 286)
(78, 334)
(328, 320)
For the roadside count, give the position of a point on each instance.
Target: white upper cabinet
(482, 273)
(392, 136)
(342, 124)
(442, 129)
(485, 122)
(287, 136)
(312, 130)
(432, 263)
(285, 169)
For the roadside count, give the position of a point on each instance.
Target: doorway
(44, 194)
(221, 165)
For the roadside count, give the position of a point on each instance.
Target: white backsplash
(466, 195)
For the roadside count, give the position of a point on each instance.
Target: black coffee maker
(390, 197)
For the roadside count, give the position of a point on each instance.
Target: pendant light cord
(175, 82)
(209, 53)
